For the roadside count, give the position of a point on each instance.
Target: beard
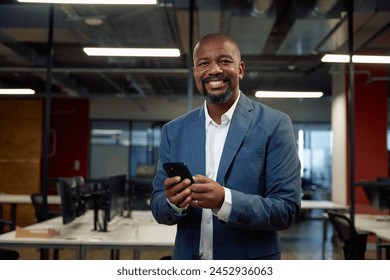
(217, 98)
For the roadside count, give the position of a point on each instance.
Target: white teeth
(215, 83)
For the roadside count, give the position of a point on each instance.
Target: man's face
(217, 70)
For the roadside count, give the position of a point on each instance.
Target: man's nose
(215, 68)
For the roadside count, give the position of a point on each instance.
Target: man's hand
(206, 193)
(177, 191)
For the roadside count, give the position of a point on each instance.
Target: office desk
(14, 199)
(138, 232)
(368, 223)
(376, 225)
(323, 205)
(381, 234)
(26, 199)
(70, 236)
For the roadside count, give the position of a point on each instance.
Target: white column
(339, 142)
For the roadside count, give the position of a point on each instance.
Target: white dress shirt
(215, 142)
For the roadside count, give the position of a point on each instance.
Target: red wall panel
(371, 159)
(69, 151)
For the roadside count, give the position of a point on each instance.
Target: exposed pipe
(173, 71)
(46, 136)
(351, 111)
(370, 78)
(190, 81)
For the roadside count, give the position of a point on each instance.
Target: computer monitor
(72, 199)
(116, 195)
(109, 200)
(377, 193)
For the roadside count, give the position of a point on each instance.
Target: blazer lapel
(241, 120)
(197, 143)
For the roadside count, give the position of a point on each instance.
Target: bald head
(216, 37)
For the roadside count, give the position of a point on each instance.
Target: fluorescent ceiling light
(337, 58)
(288, 94)
(139, 52)
(102, 2)
(96, 131)
(16, 91)
(370, 59)
(344, 58)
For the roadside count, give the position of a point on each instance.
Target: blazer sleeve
(161, 210)
(274, 200)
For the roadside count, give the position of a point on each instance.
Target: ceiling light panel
(288, 94)
(134, 52)
(16, 91)
(343, 58)
(100, 2)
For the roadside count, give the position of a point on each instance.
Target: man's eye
(202, 64)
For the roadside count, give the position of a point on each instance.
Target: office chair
(140, 192)
(7, 254)
(353, 243)
(141, 187)
(383, 249)
(40, 216)
(3, 222)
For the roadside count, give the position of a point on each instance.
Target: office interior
(96, 117)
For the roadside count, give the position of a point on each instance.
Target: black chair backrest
(355, 243)
(40, 211)
(37, 202)
(7, 254)
(40, 216)
(343, 225)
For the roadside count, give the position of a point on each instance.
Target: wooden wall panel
(20, 151)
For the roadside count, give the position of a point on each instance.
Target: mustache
(215, 77)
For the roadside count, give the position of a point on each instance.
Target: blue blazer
(259, 164)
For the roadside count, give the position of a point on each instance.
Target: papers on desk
(36, 233)
(383, 218)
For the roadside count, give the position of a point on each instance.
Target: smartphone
(178, 169)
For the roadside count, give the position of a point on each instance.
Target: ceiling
(282, 42)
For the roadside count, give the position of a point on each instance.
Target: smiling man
(217, 71)
(244, 160)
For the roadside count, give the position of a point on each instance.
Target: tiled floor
(303, 241)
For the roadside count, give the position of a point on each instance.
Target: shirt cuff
(178, 210)
(223, 213)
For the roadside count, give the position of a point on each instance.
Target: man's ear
(242, 68)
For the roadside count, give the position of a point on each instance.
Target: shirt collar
(225, 118)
